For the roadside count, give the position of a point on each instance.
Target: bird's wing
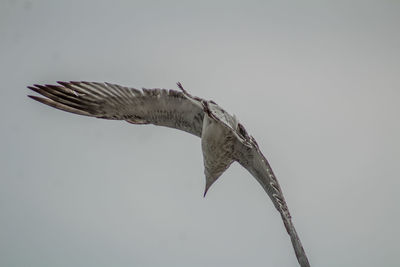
(161, 107)
(251, 158)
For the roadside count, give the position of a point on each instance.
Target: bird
(224, 140)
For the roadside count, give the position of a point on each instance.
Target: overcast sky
(316, 83)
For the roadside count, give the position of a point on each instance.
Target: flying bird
(224, 139)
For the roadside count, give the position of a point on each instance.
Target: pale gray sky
(316, 83)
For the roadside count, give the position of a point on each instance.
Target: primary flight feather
(223, 139)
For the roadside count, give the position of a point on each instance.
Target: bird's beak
(205, 191)
(208, 185)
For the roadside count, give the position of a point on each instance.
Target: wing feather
(111, 101)
(251, 158)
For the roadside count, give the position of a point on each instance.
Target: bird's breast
(217, 144)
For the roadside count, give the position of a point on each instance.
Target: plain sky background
(315, 82)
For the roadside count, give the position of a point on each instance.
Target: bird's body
(217, 143)
(223, 139)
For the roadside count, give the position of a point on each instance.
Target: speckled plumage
(224, 139)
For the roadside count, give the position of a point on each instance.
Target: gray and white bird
(223, 139)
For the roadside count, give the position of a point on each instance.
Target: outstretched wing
(161, 107)
(251, 158)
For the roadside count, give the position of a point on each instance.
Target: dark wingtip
(65, 84)
(37, 98)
